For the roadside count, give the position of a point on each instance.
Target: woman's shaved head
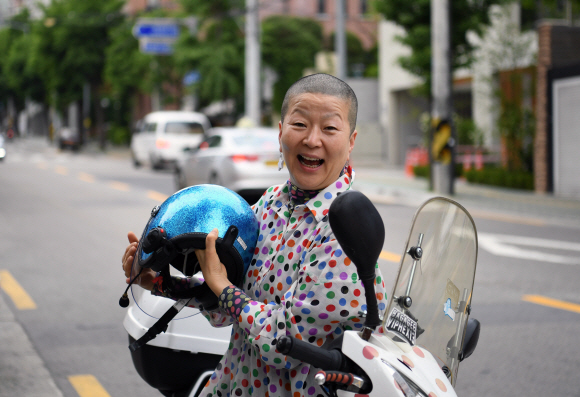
(327, 85)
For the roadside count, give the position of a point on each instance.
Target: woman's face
(315, 139)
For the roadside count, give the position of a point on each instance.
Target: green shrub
(501, 177)
(422, 171)
(493, 176)
(119, 135)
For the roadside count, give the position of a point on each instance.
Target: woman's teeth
(310, 162)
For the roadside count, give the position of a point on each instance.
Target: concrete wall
(392, 79)
(370, 142)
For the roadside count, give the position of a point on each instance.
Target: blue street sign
(168, 30)
(191, 77)
(157, 47)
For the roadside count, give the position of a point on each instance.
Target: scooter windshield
(431, 298)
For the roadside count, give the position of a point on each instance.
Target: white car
(244, 160)
(163, 135)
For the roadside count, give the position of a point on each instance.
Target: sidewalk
(391, 186)
(22, 371)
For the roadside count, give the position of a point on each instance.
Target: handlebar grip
(329, 360)
(344, 378)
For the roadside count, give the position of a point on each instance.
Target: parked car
(244, 160)
(162, 136)
(2, 150)
(68, 138)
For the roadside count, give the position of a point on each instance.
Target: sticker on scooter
(448, 310)
(402, 325)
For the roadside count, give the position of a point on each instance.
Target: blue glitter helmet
(181, 224)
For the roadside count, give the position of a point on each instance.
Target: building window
(364, 7)
(321, 7)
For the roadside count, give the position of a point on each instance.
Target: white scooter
(179, 361)
(414, 351)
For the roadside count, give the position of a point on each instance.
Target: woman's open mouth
(310, 162)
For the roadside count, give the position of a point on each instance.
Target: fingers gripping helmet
(181, 224)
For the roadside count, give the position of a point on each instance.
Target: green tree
(359, 60)
(17, 80)
(216, 52)
(218, 57)
(68, 46)
(127, 72)
(415, 18)
(289, 46)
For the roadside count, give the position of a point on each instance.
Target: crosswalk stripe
(88, 386)
(14, 290)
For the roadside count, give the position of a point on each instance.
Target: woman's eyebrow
(306, 112)
(332, 114)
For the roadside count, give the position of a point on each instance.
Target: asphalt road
(65, 218)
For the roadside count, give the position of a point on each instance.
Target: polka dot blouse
(299, 283)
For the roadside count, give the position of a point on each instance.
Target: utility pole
(252, 54)
(340, 40)
(443, 140)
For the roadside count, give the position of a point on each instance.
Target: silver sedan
(244, 160)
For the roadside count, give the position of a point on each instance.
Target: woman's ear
(280, 134)
(351, 142)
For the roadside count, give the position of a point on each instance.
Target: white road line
(526, 248)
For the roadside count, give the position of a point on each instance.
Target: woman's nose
(313, 137)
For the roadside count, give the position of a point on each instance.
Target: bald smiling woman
(299, 282)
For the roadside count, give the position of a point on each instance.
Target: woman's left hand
(214, 272)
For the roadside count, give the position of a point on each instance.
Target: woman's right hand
(145, 280)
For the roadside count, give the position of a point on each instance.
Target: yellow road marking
(389, 256)
(83, 176)
(88, 386)
(152, 194)
(14, 290)
(558, 304)
(119, 186)
(61, 170)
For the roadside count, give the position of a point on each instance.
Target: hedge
(493, 176)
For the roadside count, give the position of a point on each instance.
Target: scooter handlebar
(329, 360)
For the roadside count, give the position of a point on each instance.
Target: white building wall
(392, 78)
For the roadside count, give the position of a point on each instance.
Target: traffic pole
(443, 141)
(340, 40)
(252, 59)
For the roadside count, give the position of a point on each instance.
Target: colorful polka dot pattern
(299, 283)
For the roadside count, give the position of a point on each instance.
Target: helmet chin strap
(162, 251)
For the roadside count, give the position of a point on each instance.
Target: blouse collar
(320, 203)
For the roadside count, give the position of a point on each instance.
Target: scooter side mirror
(471, 338)
(359, 229)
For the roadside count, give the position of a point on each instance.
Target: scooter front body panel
(381, 355)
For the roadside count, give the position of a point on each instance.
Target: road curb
(22, 370)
